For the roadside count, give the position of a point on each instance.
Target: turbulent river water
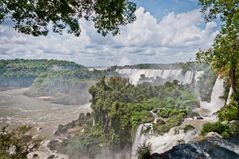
(17, 108)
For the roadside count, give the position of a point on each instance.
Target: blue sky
(160, 8)
(165, 31)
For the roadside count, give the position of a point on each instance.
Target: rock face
(213, 147)
(184, 151)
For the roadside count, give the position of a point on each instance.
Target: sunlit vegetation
(228, 125)
(118, 109)
(226, 130)
(188, 127)
(229, 112)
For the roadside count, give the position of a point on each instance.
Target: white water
(229, 96)
(168, 74)
(136, 141)
(161, 143)
(216, 102)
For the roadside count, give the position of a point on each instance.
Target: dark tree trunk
(233, 80)
(234, 87)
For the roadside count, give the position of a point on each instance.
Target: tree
(224, 54)
(227, 10)
(36, 17)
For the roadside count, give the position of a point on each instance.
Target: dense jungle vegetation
(118, 109)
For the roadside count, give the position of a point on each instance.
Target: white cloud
(176, 37)
(124, 61)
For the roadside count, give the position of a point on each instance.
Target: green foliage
(21, 139)
(227, 10)
(66, 82)
(226, 130)
(120, 107)
(185, 66)
(217, 127)
(229, 112)
(22, 73)
(224, 54)
(174, 119)
(144, 151)
(188, 127)
(35, 17)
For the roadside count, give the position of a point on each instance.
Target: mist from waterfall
(216, 101)
(134, 75)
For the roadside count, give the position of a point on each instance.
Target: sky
(165, 31)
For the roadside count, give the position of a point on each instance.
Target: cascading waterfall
(168, 74)
(136, 141)
(229, 96)
(216, 102)
(162, 143)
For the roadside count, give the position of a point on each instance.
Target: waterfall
(136, 142)
(168, 74)
(229, 96)
(216, 102)
(162, 143)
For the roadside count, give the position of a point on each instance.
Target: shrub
(188, 127)
(217, 127)
(229, 112)
(144, 151)
(225, 135)
(225, 130)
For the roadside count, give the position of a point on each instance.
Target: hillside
(22, 73)
(63, 82)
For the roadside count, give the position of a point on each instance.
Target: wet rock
(51, 157)
(213, 134)
(234, 122)
(35, 156)
(199, 118)
(160, 121)
(81, 116)
(181, 141)
(183, 151)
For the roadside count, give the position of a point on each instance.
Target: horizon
(103, 66)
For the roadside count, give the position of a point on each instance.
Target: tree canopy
(37, 17)
(227, 10)
(224, 54)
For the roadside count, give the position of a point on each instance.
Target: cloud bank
(174, 38)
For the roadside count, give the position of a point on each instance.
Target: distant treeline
(185, 66)
(22, 73)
